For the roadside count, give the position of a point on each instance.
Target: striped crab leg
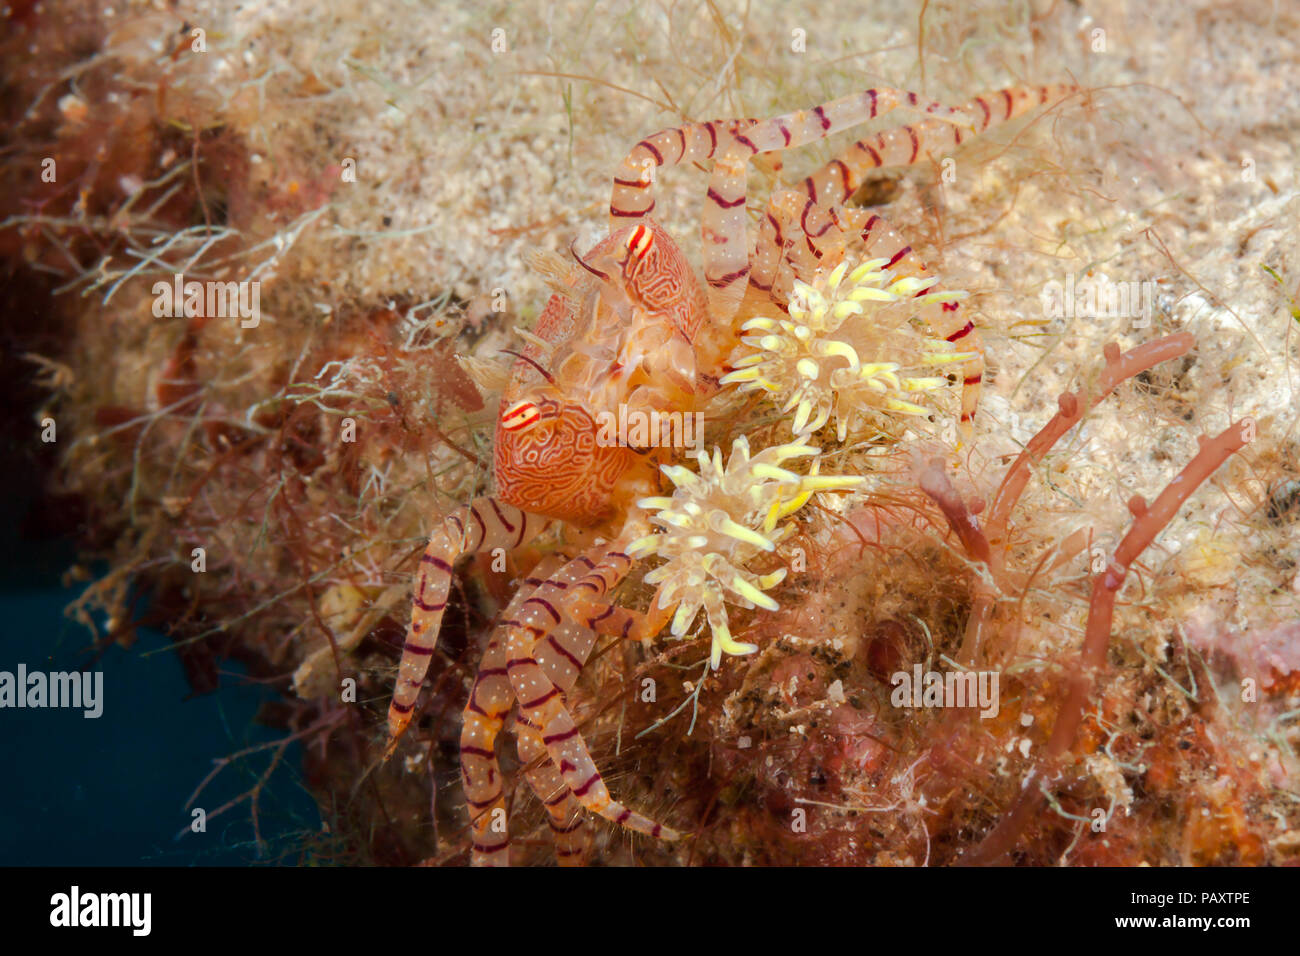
(562, 656)
(839, 179)
(730, 143)
(541, 701)
(564, 812)
(482, 525)
(800, 224)
(490, 700)
(834, 183)
(778, 233)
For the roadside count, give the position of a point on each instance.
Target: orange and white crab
(630, 324)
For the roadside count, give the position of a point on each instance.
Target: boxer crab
(629, 324)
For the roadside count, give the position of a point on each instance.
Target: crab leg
(800, 225)
(730, 143)
(541, 702)
(839, 179)
(490, 700)
(489, 703)
(561, 656)
(564, 812)
(482, 525)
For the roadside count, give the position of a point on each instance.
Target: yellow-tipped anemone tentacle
(719, 520)
(849, 347)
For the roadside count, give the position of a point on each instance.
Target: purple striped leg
(541, 701)
(482, 525)
(490, 700)
(840, 178)
(563, 811)
(730, 143)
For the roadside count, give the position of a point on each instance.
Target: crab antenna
(583, 262)
(520, 355)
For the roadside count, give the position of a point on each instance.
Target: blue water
(112, 790)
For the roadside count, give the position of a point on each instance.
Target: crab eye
(520, 415)
(640, 242)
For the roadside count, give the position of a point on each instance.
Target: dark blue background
(112, 790)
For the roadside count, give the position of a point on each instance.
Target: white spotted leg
(490, 700)
(564, 813)
(482, 525)
(561, 656)
(839, 179)
(799, 223)
(541, 701)
(730, 143)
